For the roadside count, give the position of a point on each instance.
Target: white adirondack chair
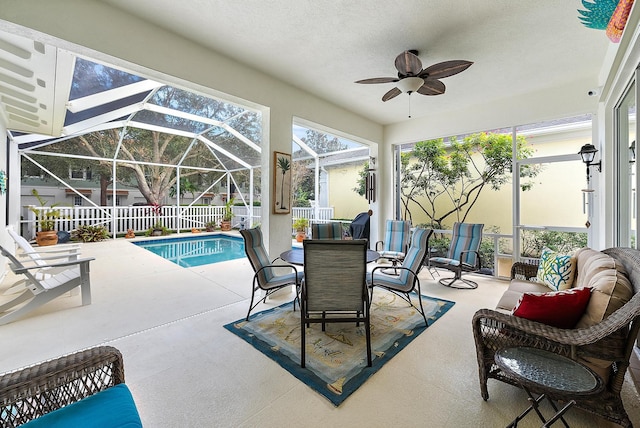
(68, 275)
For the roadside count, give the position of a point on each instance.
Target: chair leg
(426, 324)
(449, 282)
(302, 335)
(253, 293)
(367, 328)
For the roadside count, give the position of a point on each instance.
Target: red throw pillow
(561, 309)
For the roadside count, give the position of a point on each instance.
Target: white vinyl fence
(140, 218)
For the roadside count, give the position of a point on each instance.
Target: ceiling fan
(412, 78)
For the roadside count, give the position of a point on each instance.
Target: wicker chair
(612, 339)
(35, 391)
(334, 289)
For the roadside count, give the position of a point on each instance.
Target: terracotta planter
(225, 226)
(300, 236)
(48, 237)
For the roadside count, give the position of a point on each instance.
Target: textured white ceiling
(324, 46)
(518, 47)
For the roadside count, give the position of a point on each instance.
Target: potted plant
(225, 224)
(88, 233)
(301, 225)
(210, 226)
(46, 235)
(158, 228)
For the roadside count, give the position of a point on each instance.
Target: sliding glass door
(625, 115)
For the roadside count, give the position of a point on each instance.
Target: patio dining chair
(331, 230)
(407, 280)
(463, 255)
(72, 273)
(265, 278)
(396, 241)
(334, 289)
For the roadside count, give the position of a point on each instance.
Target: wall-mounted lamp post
(588, 153)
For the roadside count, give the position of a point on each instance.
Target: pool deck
(185, 370)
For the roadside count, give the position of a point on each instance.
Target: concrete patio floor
(185, 370)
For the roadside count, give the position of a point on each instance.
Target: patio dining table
(295, 256)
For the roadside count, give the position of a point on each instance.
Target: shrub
(87, 233)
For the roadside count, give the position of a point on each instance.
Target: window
(77, 201)
(118, 200)
(80, 174)
(206, 201)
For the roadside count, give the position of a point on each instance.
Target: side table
(553, 376)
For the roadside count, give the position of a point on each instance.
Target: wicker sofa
(82, 389)
(610, 340)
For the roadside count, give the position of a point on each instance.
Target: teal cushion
(113, 407)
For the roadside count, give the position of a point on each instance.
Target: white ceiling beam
(223, 151)
(111, 95)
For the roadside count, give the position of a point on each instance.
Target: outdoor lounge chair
(39, 256)
(463, 255)
(73, 273)
(407, 280)
(396, 241)
(265, 278)
(331, 230)
(334, 289)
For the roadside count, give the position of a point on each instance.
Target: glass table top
(548, 370)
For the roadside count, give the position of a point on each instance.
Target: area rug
(336, 359)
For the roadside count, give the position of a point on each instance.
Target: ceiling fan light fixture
(410, 84)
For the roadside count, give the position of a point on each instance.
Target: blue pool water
(196, 251)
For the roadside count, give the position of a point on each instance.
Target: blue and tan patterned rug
(336, 359)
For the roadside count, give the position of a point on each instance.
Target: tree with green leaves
(457, 174)
(186, 186)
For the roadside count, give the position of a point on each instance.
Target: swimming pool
(196, 251)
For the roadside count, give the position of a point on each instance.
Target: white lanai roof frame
(117, 107)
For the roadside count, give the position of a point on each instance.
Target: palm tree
(284, 165)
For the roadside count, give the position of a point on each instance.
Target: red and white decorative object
(619, 20)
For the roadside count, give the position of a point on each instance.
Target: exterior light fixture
(588, 153)
(632, 152)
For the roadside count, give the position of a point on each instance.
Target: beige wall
(554, 200)
(345, 202)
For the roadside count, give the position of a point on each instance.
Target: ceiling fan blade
(379, 80)
(392, 93)
(445, 69)
(408, 64)
(432, 87)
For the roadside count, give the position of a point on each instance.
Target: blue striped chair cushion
(326, 231)
(391, 254)
(412, 260)
(465, 237)
(396, 236)
(257, 255)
